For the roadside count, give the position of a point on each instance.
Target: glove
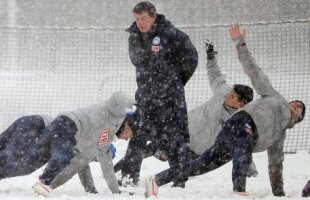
(278, 192)
(210, 50)
(306, 190)
(113, 150)
(161, 155)
(92, 190)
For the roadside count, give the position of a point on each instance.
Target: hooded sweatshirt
(97, 125)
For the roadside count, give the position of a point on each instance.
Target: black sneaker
(135, 182)
(180, 184)
(252, 173)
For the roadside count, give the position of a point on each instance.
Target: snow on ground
(214, 185)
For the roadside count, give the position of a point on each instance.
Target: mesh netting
(51, 70)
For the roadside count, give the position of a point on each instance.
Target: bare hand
(235, 31)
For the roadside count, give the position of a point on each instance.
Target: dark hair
(145, 6)
(121, 129)
(303, 111)
(244, 92)
(128, 120)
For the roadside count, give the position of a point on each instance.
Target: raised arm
(217, 80)
(259, 79)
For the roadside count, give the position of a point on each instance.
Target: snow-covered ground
(214, 185)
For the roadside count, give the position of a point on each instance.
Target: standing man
(258, 126)
(165, 59)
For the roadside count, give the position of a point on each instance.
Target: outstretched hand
(235, 31)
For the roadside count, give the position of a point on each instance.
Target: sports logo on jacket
(155, 44)
(104, 137)
(248, 128)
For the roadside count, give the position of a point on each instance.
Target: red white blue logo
(104, 137)
(155, 44)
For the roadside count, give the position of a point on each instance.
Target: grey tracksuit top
(97, 125)
(270, 113)
(206, 120)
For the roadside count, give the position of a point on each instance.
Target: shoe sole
(40, 189)
(153, 185)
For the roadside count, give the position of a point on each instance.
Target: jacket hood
(119, 103)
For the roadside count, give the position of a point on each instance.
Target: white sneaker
(42, 189)
(240, 194)
(151, 188)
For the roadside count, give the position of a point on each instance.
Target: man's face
(296, 109)
(144, 22)
(233, 101)
(127, 133)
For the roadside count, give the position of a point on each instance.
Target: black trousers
(19, 137)
(168, 136)
(61, 133)
(235, 142)
(55, 147)
(136, 156)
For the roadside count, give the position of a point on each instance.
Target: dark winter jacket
(165, 60)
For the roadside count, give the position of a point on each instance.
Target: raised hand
(235, 31)
(210, 49)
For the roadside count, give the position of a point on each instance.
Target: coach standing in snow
(165, 59)
(258, 126)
